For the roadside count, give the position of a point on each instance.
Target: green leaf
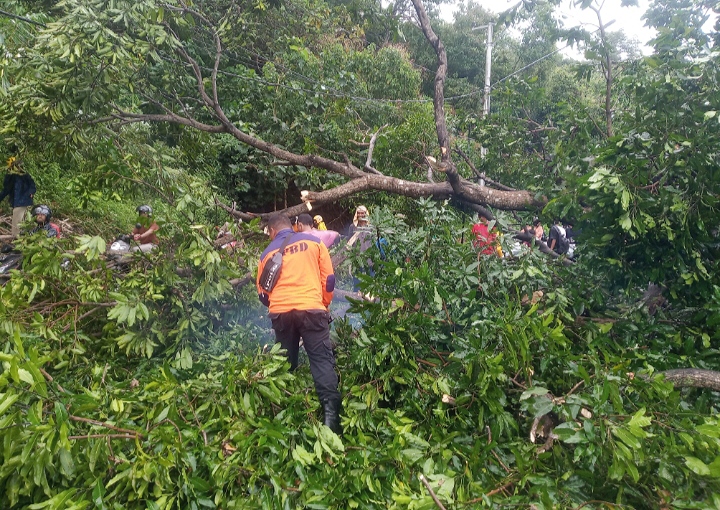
(6, 400)
(625, 199)
(66, 463)
(697, 466)
(626, 437)
(541, 407)
(639, 419)
(625, 222)
(709, 430)
(303, 456)
(535, 391)
(412, 455)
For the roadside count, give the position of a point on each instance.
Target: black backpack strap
(284, 244)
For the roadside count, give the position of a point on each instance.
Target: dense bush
(143, 391)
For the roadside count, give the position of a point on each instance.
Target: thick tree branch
(364, 179)
(446, 166)
(607, 68)
(543, 247)
(693, 378)
(439, 99)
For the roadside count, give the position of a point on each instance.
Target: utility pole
(488, 66)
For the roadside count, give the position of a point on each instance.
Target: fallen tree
(209, 115)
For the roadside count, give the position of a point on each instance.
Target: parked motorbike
(120, 246)
(10, 259)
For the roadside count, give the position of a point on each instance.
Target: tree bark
(693, 378)
(606, 63)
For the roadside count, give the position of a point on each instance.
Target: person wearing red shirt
(144, 233)
(484, 239)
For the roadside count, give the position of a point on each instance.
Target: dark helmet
(144, 209)
(42, 209)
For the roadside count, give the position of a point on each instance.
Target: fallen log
(693, 378)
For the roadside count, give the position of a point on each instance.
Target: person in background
(144, 233)
(298, 306)
(557, 238)
(529, 230)
(572, 235)
(484, 239)
(319, 223)
(538, 228)
(361, 221)
(19, 187)
(42, 215)
(305, 224)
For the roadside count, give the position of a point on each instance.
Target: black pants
(314, 328)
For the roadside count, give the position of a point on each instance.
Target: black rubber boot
(332, 409)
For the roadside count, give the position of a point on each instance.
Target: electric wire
(333, 92)
(325, 89)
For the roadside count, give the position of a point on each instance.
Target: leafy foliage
(157, 399)
(514, 381)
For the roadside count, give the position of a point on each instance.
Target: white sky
(627, 19)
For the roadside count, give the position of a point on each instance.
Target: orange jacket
(307, 279)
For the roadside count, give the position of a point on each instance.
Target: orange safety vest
(307, 279)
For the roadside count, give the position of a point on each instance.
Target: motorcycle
(10, 259)
(120, 246)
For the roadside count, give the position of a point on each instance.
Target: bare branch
(105, 425)
(128, 118)
(482, 176)
(607, 69)
(439, 99)
(371, 148)
(427, 484)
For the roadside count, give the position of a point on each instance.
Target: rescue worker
(298, 305)
(42, 215)
(144, 233)
(19, 187)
